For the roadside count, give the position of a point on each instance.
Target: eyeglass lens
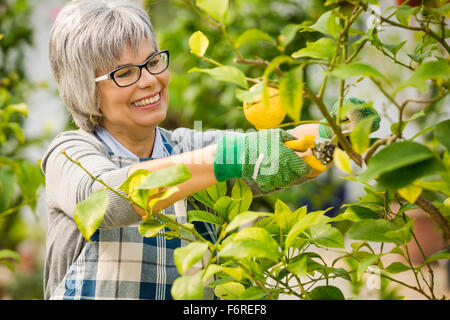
(129, 75)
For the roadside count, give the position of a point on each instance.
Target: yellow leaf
(410, 192)
(342, 161)
(198, 43)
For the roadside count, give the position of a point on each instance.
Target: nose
(147, 79)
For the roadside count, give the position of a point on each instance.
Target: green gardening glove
(260, 156)
(363, 110)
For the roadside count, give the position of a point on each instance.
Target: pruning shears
(322, 149)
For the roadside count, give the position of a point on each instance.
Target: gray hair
(89, 36)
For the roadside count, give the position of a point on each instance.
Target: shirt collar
(119, 150)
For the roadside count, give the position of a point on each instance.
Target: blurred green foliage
(195, 97)
(20, 179)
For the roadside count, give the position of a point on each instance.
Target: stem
(257, 281)
(388, 140)
(357, 51)
(434, 213)
(406, 285)
(412, 267)
(423, 28)
(157, 214)
(336, 129)
(212, 61)
(18, 207)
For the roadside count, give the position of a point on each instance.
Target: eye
(123, 73)
(154, 62)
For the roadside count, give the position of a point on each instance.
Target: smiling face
(136, 110)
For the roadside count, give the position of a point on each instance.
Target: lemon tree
(266, 255)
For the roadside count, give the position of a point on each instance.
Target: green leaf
(326, 293)
(360, 135)
(342, 161)
(226, 207)
(166, 177)
(441, 255)
(364, 264)
(19, 108)
(9, 254)
(134, 180)
(188, 287)
(399, 178)
(287, 34)
(402, 235)
(291, 92)
(285, 218)
(254, 35)
(394, 48)
(29, 178)
(394, 126)
(252, 293)
(7, 182)
(251, 242)
(249, 95)
(434, 185)
(321, 49)
(198, 43)
(225, 73)
(88, 214)
(200, 215)
(356, 213)
(150, 229)
(299, 267)
(436, 70)
(203, 197)
(371, 230)
(186, 257)
(301, 225)
(216, 191)
(397, 267)
(404, 13)
(218, 9)
(166, 194)
(354, 69)
(326, 235)
(229, 291)
(442, 133)
(395, 156)
(242, 195)
(18, 131)
(327, 24)
(129, 186)
(244, 218)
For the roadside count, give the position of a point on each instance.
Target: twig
(387, 140)
(434, 213)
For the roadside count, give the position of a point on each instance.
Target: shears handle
(303, 144)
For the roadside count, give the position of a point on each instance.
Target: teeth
(147, 101)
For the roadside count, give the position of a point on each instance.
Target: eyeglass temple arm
(104, 77)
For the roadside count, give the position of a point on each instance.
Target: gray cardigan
(67, 184)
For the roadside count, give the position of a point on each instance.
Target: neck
(139, 143)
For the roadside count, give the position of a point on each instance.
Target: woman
(113, 78)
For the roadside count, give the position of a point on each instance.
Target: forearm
(199, 162)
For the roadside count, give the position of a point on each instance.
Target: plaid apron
(121, 264)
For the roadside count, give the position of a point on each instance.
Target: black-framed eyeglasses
(129, 74)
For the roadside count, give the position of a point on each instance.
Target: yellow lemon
(265, 117)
